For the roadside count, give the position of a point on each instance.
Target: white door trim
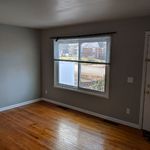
(147, 33)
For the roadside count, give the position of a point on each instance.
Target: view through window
(83, 64)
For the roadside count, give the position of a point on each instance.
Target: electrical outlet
(130, 79)
(45, 91)
(127, 111)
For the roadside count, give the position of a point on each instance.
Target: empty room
(74, 75)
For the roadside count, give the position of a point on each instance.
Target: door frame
(147, 33)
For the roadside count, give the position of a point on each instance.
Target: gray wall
(19, 65)
(126, 60)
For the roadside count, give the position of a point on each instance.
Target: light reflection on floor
(71, 136)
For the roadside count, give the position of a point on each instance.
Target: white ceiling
(49, 13)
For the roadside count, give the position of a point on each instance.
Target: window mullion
(81, 61)
(79, 66)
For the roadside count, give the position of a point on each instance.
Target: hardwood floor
(43, 126)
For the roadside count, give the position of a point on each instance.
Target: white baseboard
(19, 104)
(94, 114)
(74, 108)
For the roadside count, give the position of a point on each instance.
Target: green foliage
(98, 85)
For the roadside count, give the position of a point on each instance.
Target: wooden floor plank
(43, 126)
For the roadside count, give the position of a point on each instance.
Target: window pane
(92, 77)
(66, 51)
(95, 51)
(67, 73)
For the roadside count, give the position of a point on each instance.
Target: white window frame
(79, 89)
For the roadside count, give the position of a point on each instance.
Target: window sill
(105, 95)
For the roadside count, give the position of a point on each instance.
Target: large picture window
(83, 64)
